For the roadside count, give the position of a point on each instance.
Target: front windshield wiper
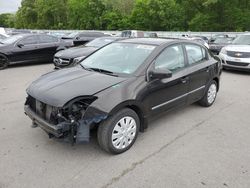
(86, 68)
(98, 70)
(102, 71)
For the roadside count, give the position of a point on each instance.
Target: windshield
(242, 39)
(12, 39)
(100, 42)
(120, 58)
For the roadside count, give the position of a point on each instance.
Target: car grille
(61, 61)
(238, 54)
(237, 64)
(43, 110)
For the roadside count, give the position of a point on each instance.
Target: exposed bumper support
(49, 128)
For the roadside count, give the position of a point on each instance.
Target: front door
(168, 93)
(26, 50)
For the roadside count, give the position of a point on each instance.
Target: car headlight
(77, 107)
(78, 59)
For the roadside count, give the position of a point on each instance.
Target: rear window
(195, 53)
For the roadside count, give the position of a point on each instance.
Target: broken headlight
(76, 108)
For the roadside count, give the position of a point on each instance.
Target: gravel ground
(191, 147)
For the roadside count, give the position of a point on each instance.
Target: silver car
(237, 55)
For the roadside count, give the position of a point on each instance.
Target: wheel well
(218, 84)
(4, 55)
(138, 111)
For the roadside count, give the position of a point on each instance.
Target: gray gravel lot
(192, 147)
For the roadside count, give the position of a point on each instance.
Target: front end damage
(72, 122)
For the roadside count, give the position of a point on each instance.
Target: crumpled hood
(59, 87)
(75, 52)
(238, 48)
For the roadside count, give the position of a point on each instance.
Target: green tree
(86, 14)
(26, 16)
(7, 20)
(159, 15)
(51, 14)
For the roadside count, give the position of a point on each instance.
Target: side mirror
(20, 45)
(160, 74)
(77, 38)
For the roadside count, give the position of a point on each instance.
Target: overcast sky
(9, 6)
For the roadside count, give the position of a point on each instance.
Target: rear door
(47, 47)
(199, 68)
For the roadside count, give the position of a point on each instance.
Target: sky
(9, 6)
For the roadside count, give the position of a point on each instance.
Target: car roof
(148, 41)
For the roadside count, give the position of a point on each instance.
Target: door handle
(184, 80)
(207, 69)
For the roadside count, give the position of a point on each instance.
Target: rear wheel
(210, 94)
(118, 133)
(3, 61)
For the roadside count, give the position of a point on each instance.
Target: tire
(111, 136)
(210, 94)
(4, 62)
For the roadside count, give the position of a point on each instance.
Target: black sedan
(29, 48)
(219, 43)
(120, 87)
(73, 56)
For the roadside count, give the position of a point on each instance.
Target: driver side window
(29, 40)
(172, 58)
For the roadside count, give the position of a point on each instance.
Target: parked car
(29, 48)
(219, 43)
(202, 37)
(120, 87)
(132, 34)
(80, 38)
(72, 56)
(237, 55)
(150, 35)
(214, 37)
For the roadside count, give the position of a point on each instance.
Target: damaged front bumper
(70, 131)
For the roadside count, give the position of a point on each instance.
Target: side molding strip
(177, 98)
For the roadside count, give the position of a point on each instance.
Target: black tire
(106, 128)
(205, 99)
(4, 62)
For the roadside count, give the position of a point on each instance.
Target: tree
(26, 16)
(51, 14)
(157, 15)
(86, 14)
(7, 20)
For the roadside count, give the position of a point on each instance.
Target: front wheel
(3, 62)
(118, 133)
(210, 95)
